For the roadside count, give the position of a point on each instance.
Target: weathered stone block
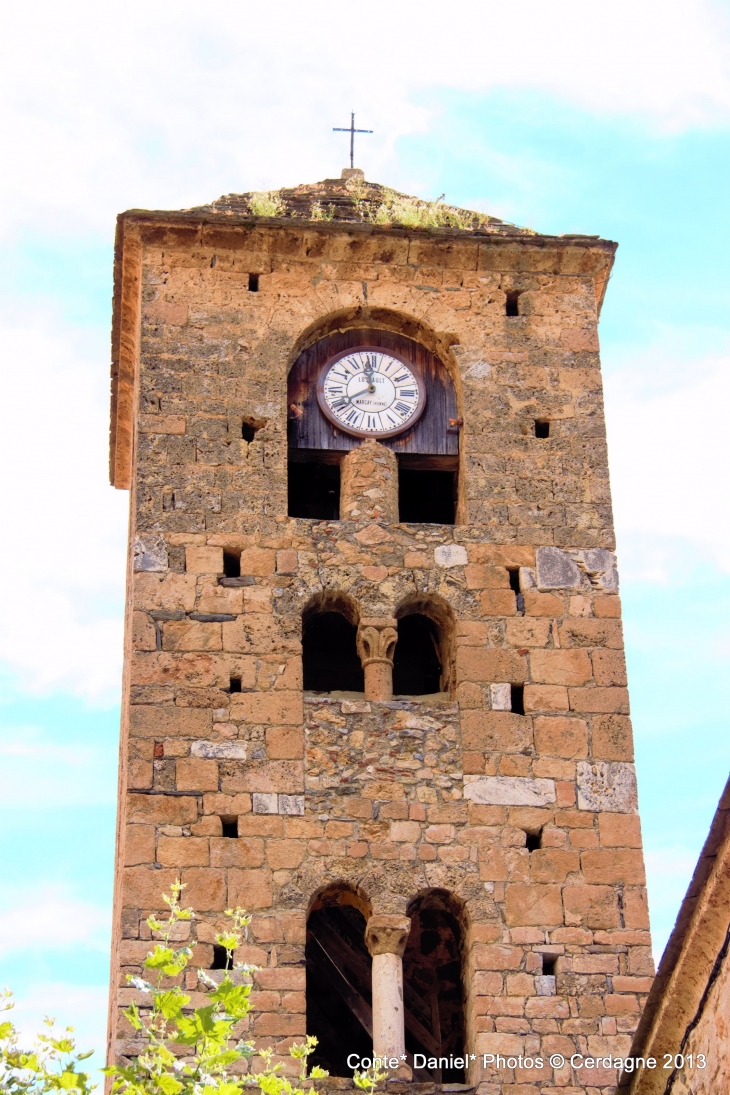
(475, 664)
(260, 562)
(162, 809)
(611, 865)
(191, 635)
(219, 750)
(560, 666)
(619, 830)
(254, 890)
(265, 803)
(591, 906)
(204, 560)
(509, 791)
(189, 851)
(495, 731)
(450, 555)
(556, 570)
(192, 774)
(545, 698)
(269, 707)
(561, 737)
(606, 785)
(236, 852)
(529, 903)
(149, 553)
(291, 804)
(611, 738)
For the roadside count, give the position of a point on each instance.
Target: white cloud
(668, 872)
(63, 550)
(28, 754)
(50, 919)
(669, 457)
(162, 105)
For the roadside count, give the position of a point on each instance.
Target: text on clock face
(371, 391)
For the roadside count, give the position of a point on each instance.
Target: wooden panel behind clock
(430, 434)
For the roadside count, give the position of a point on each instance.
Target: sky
(608, 118)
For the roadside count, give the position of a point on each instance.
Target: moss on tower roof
(352, 199)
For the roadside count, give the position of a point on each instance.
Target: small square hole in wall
(514, 579)
(253, 283)
(542, 428)
(230, 826)
(518, 699)
(220, 957)
(512, 304)
(533, 839)
(231, 564)
(548, 964)
(235, 684)
(250, 426)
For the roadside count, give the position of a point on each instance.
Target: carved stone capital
(376, 639)
(387, 934)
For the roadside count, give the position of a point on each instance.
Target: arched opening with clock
(330, 661)
(361, 382)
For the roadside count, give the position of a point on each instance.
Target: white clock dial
(370, 393)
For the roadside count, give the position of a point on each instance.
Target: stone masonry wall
(405, 795)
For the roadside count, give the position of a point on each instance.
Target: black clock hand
(361, 392)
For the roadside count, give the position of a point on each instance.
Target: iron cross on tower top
(352, 131)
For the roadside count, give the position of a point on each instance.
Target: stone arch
(338, 976)
(330, 661)
(431, 634)
(434, 985)
(381, 319)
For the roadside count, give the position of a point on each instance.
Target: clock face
(370, 393)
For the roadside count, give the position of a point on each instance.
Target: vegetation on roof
(376, 205)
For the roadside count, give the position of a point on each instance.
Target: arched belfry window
(433, 986)
(321, 433)
(339, 977)
(423, 653)
(416, 665)
(330, 662)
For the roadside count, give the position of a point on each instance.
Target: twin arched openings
(422, 656)
(339, 982)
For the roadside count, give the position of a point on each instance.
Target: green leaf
(229, 940)
(69, 1080)
(132, 1014)
(234, 998)
(160, 956)
(169, 1085)
(171, 1003)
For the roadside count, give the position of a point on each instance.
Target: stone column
(376, 639)
(385, 937)
(369, 484)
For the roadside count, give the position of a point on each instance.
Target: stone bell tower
(374, 686)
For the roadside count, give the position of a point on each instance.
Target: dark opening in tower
(314, 485)
(330, 661)
(432, 985)
(338, 987)
(427, 488)
(417, 669)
